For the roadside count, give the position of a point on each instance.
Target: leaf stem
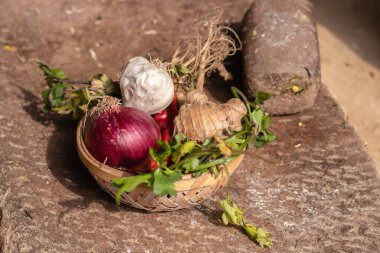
(216, 162)
(72, 81)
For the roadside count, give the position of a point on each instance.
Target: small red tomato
(162, 119)
(152, 164)
(166, 134)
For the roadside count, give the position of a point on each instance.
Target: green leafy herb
(63, 97)
(261, 236)
(261, 97)
(256, 122)
(164, 184)
(191, 165)
(162, 154)
(128, 184)
(232, 214)
(52, 76)
(224, 148)
(257, 117)
(184, 149)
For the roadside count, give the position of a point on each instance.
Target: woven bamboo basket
(190, 190)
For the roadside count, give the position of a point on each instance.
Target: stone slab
(320, 197)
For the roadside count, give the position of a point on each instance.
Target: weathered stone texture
(320, 197)
(281, 51)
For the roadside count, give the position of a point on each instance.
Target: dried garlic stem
(204, 49)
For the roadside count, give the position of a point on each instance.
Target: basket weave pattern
(190, 191)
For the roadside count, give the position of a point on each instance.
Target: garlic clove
(145, 86)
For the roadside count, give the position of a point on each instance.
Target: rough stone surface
(281, 51)
(320, 197)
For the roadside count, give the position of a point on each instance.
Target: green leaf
(164, 184)
(45, 95)
(257, 117)
(265, 122)
(58, 73)
(105, 84)
(178, 140)
(261, 97)
(161, 155)
(45, 99)
(225, 219)
(261, 236)
(182, 150)
(51, 75)
(214, 170)
(259, 141)
(223, 148)
(199, 173)
(191, 165)
(263, 138)
(206, 142)
(235, 142)
(269, 136)
(128, 184)
(232, 213)
(57, 94)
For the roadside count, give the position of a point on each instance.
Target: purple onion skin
(123, 135)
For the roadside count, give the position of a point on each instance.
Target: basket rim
(108, 173)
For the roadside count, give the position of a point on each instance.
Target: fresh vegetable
(120, 136)
(146, 86)
(166, 134)
(165, 120)
(66, 96)
(200, 118)
(162, 119)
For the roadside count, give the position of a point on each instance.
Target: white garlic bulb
(145, 86)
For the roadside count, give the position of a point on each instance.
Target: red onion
(120, 135)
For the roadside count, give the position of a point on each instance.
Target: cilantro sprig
(66, 96)
(234, 215)
(256, 121)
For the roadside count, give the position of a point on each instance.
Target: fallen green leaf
(261, 236)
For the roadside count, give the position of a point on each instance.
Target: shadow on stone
(212, 215)
(31, 107)
(63, 161)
